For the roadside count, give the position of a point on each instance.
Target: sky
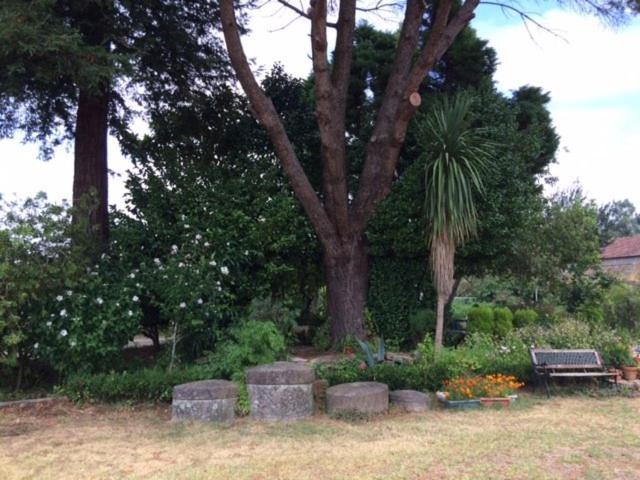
(590, 70)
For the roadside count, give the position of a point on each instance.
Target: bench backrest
(566, 359)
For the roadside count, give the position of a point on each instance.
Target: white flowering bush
(38, 265)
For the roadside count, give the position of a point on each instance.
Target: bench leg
(546, 386)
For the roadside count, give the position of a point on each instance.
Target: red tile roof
(622, 247)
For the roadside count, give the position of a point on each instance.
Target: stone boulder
(358, 397)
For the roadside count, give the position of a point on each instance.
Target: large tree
(70, 68)
(617, 219)
(339, 214)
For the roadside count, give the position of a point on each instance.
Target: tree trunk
(440, 306)
(90, 179)
(453, 293)
(346, 272)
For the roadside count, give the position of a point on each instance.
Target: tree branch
(408, 42)
(266, 114)
(526, 17)
(330, 115)
(301, 12)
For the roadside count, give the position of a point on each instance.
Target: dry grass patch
(572, 438)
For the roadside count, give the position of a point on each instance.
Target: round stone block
(204, 401)
(281, 373)
(280, 391)
(360, 397)
(410, 400)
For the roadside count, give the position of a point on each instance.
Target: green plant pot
(459, 404)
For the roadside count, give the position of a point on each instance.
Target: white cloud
(24, 175)
(594, 80)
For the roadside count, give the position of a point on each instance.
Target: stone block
(410, 400)
(205, 401)
(358, 397)
(280, 391)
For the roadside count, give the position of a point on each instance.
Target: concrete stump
(358, 397)
(280, 391)
(205, 401)
(410, 400)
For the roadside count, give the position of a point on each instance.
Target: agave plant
(371, 358)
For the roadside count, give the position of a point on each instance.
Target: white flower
(207, 244)
(36, 345)
(63, 313)
(99, 301)
(174, 249)
(186, 225)
(59, 298)
(224, 270)
(49, 323)
(246, 253)
(63, 333)
(198, 237)
(132, 275)
(183, 305)
(72, 343)
(130, 313)
(180, 265)
(200, 301)
(156, 261)
(213, 263)
(69, 293)
(135, 298)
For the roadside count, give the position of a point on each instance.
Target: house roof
(623, 247)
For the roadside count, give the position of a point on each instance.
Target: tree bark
(90, 179)
(346, 272)
(440, 306)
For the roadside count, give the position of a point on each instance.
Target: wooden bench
(548, 364)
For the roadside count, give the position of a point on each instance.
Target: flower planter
(501, 402)
(630, 373)
(458, 404)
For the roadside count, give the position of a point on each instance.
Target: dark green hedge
(146, 385)
(399, 286)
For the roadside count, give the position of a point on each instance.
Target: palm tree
(456, 155)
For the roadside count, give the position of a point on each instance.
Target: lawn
(565, 437)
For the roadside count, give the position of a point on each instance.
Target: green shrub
(282, 315)
(421, 322)
(616, 355)
(396, 376)
(571, 333)
(252, 343)
(502, 321)
(622, 307)
(525, 317)
(146, 385)
(321, 339)
(480, 354)
(481, 319)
